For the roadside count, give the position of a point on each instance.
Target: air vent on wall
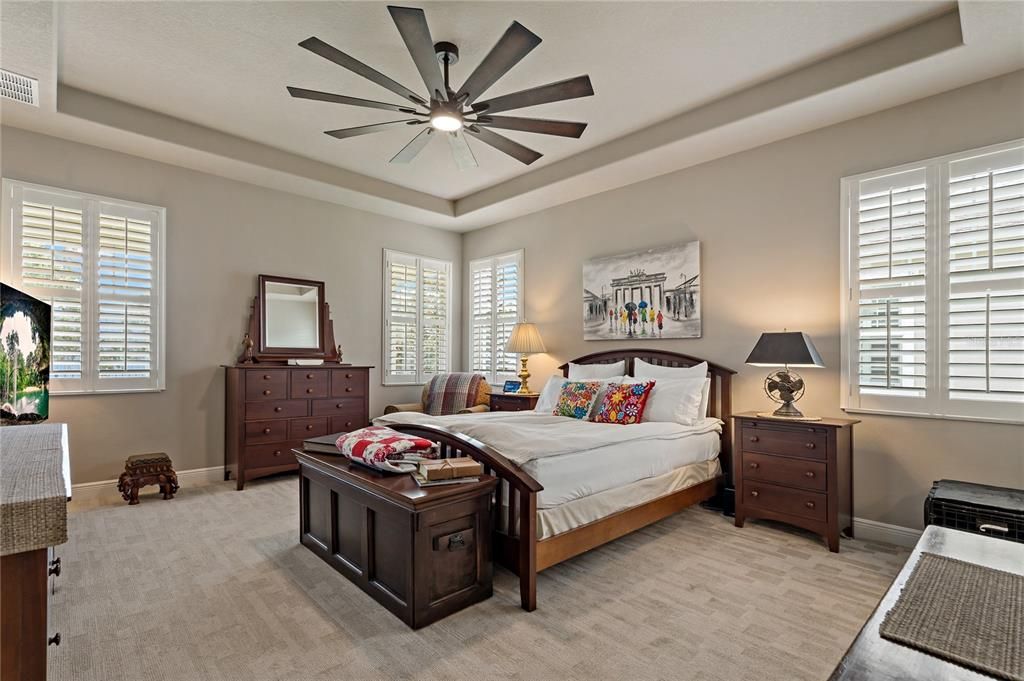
(19, 88)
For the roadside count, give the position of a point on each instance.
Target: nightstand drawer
(805, 443)
(512, 402)
(786, 500)
(785, 471)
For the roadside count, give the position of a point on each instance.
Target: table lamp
(786, 349)
(525, 340)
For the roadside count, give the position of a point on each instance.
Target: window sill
(118, 391)
(941, 417)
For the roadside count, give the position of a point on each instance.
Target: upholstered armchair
(457, 393)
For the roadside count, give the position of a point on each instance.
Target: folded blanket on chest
(525, 436)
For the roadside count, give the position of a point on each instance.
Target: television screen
(24, 358)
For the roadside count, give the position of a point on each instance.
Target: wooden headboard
(720, 400)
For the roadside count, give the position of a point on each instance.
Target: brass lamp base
(524, 377)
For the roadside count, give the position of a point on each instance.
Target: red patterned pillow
(624, 403)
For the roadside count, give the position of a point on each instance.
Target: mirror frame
(325, 350)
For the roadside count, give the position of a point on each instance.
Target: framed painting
(650, 294)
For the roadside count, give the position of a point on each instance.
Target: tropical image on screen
(24, 357)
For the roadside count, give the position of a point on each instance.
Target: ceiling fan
(454, 112)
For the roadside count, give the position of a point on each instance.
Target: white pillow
(586, 372)
(705, 398)
(673, 400)
(642, 369)
(549, 395)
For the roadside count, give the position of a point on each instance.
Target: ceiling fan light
(446, 122)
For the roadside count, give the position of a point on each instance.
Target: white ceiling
(225, 65)
(665, 73)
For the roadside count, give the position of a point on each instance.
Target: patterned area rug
(962, 612)
(214, 585)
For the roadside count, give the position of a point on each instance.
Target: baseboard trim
(104, 492)
(872, 530)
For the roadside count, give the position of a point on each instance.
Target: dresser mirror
(289, 319)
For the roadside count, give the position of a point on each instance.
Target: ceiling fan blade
(504, 144)
(412, 24)
(317, 46)
(303, 93)
(542, 126)
(461, 152)
(515, 44)
(414, 147)
(345, 133)
(552, 92)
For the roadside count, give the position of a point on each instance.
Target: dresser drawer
(346, 423)
(806, 443)
(276, 409)
(348, 383)
(302, 429)
(338, 407)
(266, 431)
(792, 472)
(276, 454)
(268, 384)
(786, 500)
(307, 383)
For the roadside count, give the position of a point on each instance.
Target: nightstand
(513, 401)
(797, 472)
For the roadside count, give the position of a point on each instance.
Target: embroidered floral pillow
(577, 398)
(624, 403)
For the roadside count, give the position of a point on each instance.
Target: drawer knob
(755, 493)
(266, 431)
(266, 377)
(809, 504)
(348, 375)
(339, 406)
(755, 465)
(309, 390)
(348, 424)
(809, 445)
(809, 474)
(54, 567)
(754, 438)
(266, 392)
(309, 426)
(277, 408)
(309, 376)
(54, 640)
(277, 452)
(348, 390)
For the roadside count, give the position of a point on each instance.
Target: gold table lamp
(525, 340)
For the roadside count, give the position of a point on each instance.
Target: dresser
(271, 408)
(513, 401)
(797, 472)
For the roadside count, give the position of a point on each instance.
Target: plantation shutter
(417, 318)
(890, 285)
(495, 307)
(401, 338)
(986, 278)
(51, 250)
(435, 278)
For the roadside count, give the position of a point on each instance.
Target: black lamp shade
(787, 348)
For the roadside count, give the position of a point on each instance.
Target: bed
(582, 507)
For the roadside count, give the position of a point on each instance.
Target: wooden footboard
(514, 510)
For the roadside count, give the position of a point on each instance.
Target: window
(417, 318)
(99, 263)
(933, 272)
(496, 304)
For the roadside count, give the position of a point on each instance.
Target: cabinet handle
(809, 445)
(754, 438)
(266, 392)
(54, 640)
(755, 465)
(277, 408)
(266, 431)
(348, 424)
(309, 376)
(755, 493)
(309, 427)
(309, 390)
(266, 377)
(809, 504)
(348, 375)
(809, 474)
(339, 406)
(277, 452)
(54, 567)
(348, 390)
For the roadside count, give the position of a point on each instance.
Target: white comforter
(525, 436)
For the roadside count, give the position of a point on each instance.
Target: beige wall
(768, 222)
(220, 235)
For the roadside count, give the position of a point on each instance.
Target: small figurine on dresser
(247, 354)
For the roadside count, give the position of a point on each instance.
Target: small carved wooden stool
(147, 469)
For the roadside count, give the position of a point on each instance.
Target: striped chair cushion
(449, 393)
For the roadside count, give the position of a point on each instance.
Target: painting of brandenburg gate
(643, 295)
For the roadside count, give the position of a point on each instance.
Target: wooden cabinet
(513, 402)
(271, 409)
(798, 472)
(422, 553)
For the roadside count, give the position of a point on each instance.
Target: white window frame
(494, 376)
(10, 271)
(936, 403)
(421, 378)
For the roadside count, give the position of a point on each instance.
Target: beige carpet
(214, 585)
